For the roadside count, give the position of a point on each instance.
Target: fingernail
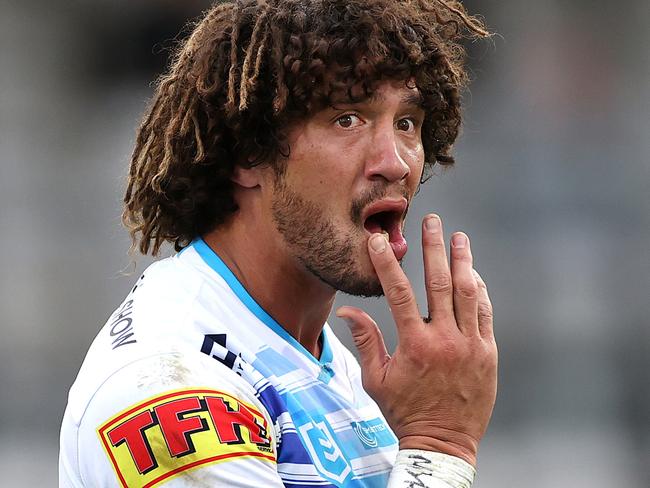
(459, 241)
(432, 224)
(378, 243)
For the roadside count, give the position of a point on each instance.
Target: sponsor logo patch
(160, 438)
(373, 433)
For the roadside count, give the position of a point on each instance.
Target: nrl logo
(325, 453)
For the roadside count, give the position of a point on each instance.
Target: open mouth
(386, 219)
(383, 222)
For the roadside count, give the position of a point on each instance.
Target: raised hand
(438, 388)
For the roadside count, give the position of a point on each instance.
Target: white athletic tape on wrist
(417, 468)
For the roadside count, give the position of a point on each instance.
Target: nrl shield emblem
(324, 451)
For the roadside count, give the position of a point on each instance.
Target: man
(280, 155)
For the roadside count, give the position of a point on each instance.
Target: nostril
(390, 168)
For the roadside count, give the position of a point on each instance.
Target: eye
(348, 120)
(406, 125)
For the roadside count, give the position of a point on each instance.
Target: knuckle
(449, 346)
(416, 358)
(488, 348)
(462, 256)
(436, 243)
(439, 282)
(455, 352)
(481, 283)
(485, 311)
(370, 385)
(399, 294)
(466, 290)
(362, 340)
(491, 360)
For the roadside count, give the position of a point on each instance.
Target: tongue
(397, 242)
(395, 237)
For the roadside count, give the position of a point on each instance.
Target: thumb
(369, 341)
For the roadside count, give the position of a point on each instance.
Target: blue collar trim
(214, 261)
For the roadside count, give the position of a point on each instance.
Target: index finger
(394, 282)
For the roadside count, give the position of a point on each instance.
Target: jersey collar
(213, 260)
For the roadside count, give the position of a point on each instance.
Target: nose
(384, 159)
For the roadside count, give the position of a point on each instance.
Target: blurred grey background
(552, 184)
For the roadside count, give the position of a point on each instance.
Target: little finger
(485, 310)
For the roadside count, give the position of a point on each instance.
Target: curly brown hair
(251, 68)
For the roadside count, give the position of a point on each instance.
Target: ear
(246, 177)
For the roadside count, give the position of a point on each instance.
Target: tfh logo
(180, 430)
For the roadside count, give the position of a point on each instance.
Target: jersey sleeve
(176, 420)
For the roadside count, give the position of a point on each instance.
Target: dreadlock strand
(471, 23)
(414, 51)
(213, 16)
(222, 12)
(168, 152)
(154, 115)
(259, 57)
(200, 149)
(188, 106)
(143, 155)
(252, 48)
(281, 90)
(232, 73)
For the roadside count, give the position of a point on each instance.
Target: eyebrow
(410, 98)
(414, 99)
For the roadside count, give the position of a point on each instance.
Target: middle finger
(437, 277)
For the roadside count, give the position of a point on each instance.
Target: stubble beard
(330, 255)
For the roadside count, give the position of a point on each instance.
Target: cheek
(324, 186)
(416, 153)
(414, 157)
(329, 172)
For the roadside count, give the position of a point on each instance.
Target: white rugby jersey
(192, 383)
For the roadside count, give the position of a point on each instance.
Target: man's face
(352, 171)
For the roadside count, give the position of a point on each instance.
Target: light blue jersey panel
(330, 432)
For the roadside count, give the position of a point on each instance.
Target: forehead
(403, 92)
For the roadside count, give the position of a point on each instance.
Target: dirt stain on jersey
(168, 370)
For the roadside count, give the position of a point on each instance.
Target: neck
(293, 296)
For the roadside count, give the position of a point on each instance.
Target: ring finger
(465, 285)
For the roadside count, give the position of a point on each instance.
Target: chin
(362, 288)
(360, 281)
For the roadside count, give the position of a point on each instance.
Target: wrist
(443, 446)
(415, 467)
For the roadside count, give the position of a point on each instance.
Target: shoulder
(168, 308)
(167, 415)
(169, 370)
